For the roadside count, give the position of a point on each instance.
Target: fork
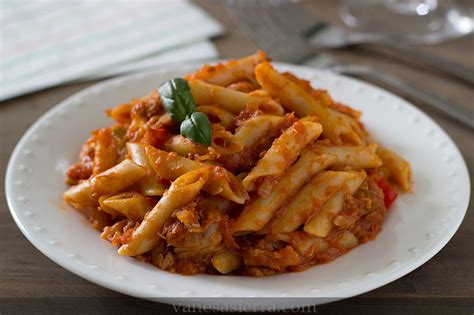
(294, 18)
(267, 27)
(331, 37)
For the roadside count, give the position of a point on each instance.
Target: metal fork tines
(272, 23)
(271, 26)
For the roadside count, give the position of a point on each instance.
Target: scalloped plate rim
(109, 283)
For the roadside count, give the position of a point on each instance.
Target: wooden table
(31, 283)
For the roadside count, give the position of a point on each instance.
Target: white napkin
(50, 42)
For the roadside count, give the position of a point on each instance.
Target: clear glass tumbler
(413, 21)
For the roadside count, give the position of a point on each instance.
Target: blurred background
(45, 43)
(423, 50)
(48, 43)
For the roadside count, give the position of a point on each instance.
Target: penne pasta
(235, 169)
(244, 86)
(117, 178)
(308, 201)
(321, 96)
(108, 182)
(295, 98)
(131, 204)
(181, 192)
(216, 202)
(321, 223)
(306, 245)
(399, 168)
(283, 152)
(223, 142)
(217, 115)
(80, 196)
(347, 240)
(256, 127)
(226, 261)
(352, 122)
(260, 92)
(221, 182)
(150, 185)
(230, 72)
(359, 157)
(260, 211)
(231, 100)
(105, 153)
(183, 146)
(120, 113)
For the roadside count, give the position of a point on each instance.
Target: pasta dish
(236, 169)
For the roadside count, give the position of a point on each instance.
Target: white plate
(416, 228)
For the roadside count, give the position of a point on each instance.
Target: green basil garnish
(178, 101)
(197, 128)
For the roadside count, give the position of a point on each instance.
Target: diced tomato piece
(390, 194)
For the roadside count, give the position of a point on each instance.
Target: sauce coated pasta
(236, 169)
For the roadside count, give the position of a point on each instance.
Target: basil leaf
(197, 128)
(177, 99)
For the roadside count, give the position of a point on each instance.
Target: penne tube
(217, 115)
(181, 192)
(108, 182)
(257, 134)
(283, 152)
(287, 177)
(150, 185)
(256, 127)
(359, 157)
(321, 223)
(306, 245)
(347, 240)
(105, 153)
(244, 86)
(120, 113)
(321, 96)
(131, 204)
(259, 212)
(216, 202)
(183, 146)
(226, 261)
(352, 122)
(260, 92)
(221, 182)
(169, 165)
(307, 201)
(295, 98)
(117, 178)
(223, 141)
(80, 196)
(399, 168)
(232, 71)
(231, 100)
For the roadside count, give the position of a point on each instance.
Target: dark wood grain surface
(31, 283)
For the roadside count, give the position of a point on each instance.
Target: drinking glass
(412, 21)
